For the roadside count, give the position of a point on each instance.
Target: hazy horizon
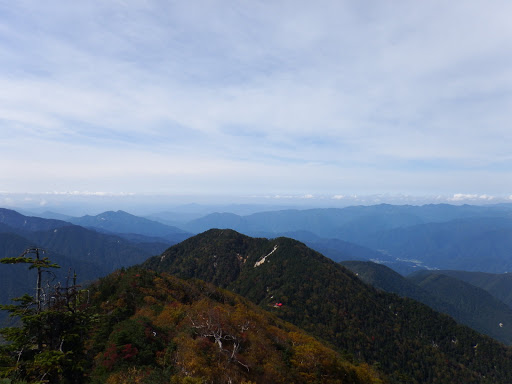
(79, 204)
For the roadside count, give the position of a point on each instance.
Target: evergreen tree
(47, 347)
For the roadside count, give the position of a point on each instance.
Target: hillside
(471, 305)
(466, 303)
(89, 253)
(410, 342)
(497, 284)
(207, 334)
(141, 327)
(386, 279)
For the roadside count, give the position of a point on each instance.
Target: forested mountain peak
(409, 341)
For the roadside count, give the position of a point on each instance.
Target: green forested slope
(497, 284)
(409, 341)
(468, 304)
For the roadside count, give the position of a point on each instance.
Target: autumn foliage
(159, 329)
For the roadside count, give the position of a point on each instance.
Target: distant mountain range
(406, 238)
(88, 252)
(346, 222)
(123, 222)
(442, 236)
(474, 244)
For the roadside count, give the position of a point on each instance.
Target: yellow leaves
(145, 312)
(161, 285)
(170, 316)
(165, 358)
(210, 336)
(193, 358)
(120, 303)
(368, 375)
(132, 375)
(150, 300)
(278, 335)
(309, 356)
(186, 380)
(313, 361)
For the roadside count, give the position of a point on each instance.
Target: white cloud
(463, 196)
(345, 94)
(469, 196)
(89, 193)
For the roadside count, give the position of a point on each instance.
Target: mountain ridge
(407, 237)
(124, 222)
(329, 301)
(468, 304)
(90, 253)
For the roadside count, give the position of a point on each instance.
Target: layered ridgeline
(476, 238)
(472, 244)
(106, 251)
(475, 306)
(156, 328)
(121, 222)
(89, 253)
(497, 284)
(407, 340)
(466, 303)
(353, 223)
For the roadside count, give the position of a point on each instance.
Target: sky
(256, 98)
